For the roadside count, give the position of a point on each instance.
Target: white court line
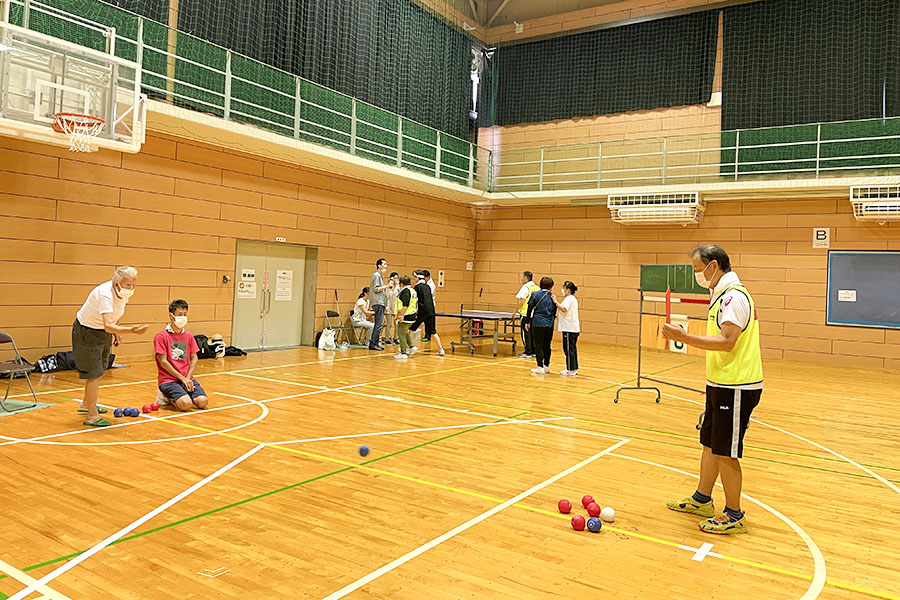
(468, 524)
(128, 529)
(124, 383)
(419, 430)
(819, 574)
(43, 440)
(27, 579)
(812, 443)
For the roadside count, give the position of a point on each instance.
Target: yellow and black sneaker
(722, 524)
(691, 506)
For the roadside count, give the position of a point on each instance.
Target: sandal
(98, 423)
(100, 410)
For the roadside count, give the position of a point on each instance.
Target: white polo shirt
(568, 321)
(735, 307)
(102, 300)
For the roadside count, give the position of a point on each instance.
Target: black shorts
(726, 419)
(90, 349)
(430, 324)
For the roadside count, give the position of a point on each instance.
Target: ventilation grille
(876, 203)
(657, 209)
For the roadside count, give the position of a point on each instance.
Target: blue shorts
(173, 390)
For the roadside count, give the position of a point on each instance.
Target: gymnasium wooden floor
(265, 496)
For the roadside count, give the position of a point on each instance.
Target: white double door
(268, 295)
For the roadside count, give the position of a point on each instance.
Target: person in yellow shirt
(528, 288)
(734, 387)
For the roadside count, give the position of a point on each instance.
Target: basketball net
(82, 130)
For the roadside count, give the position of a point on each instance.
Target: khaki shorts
(90, 348)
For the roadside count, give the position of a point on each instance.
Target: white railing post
(599, 163)
(737, 149)
(353, 126)
(471, 164)
(26, 13)
(4, 10)
(227, 114)
(139, 51)
(437, 157)
(664, 155)
(298, 104)
(111, 40)
(541, 172)
(818, 147)
(399, 141)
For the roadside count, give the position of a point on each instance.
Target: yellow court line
(631, 534)
(27, 579)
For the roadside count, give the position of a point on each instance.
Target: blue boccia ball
(363, 450)
(594, 525)
(133, 412)
(117, 413)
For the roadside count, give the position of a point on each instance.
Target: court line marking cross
(702, 552)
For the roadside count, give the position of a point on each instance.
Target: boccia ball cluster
(596, 515)
(134, 412)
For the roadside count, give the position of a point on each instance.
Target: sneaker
(401, 356)
(538, 370)
(426, 339)
(564, 373)
(546, 369)
(441, 352)
(691, 506)
(413, 349)
(573, 373)
(722, 524)
(396, 341)
(523, 355)
(376, 348)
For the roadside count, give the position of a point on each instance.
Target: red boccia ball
(585, 500)
(564, 506)
(154, 407)
(593, 509)
(145, 409)
(578, 523)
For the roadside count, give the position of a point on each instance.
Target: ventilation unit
(656, 209)
(876, 203)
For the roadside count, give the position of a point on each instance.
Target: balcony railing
(819, 150)
(197, 74)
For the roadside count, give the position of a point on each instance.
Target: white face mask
(181, 321)
(562, 291)
(125, 293)
(700, 276)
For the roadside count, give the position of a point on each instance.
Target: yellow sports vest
(413, 303)
(743, 365)
(532, 288)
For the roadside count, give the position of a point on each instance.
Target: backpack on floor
(326, 339)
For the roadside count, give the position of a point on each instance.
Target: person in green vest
(528, 288)
(406, 309)
(733, 389)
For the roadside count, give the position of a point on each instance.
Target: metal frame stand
(640, 377)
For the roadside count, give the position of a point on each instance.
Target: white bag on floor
(326, 340)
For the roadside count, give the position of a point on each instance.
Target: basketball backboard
(41, 76)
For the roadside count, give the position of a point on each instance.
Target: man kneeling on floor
(176, 358)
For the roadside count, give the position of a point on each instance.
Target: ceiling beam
(497, 13)
(474, 12)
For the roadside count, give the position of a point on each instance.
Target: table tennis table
(472, 327)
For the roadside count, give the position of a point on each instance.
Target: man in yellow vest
(734, 386)
(528, 288)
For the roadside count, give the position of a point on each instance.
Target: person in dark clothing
(426, 314)
(540, 317)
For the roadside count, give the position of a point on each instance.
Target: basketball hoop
(82, 130)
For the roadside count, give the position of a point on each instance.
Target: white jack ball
(608, 514)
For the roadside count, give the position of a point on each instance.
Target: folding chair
(14, 368)
(341, 327)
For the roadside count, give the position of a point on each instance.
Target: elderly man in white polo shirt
(95, 330)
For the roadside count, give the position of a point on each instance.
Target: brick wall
(175, 211)
(770, 243)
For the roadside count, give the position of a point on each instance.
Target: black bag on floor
(204, 350)
(233, 351)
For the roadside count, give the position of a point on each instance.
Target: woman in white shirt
(569, 326)
(361, 312)
(95, 330)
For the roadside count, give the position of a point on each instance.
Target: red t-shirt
(178, 348)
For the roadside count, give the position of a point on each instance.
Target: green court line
(644, 429)
(260, 496)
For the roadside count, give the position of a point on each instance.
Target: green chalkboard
(656, 278)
